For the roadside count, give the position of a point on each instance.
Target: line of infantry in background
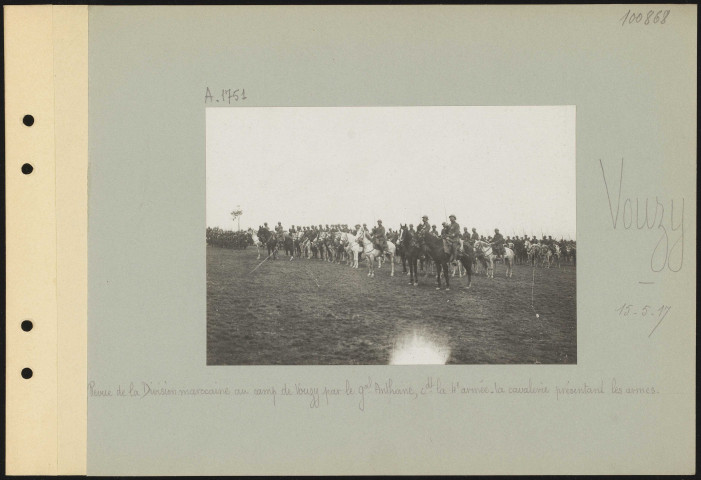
(450, 233)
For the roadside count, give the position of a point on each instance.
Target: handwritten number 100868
(652, 16)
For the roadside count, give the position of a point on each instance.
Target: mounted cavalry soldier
(379, 236)
(362, 234)
(498, 243)
(424, 226)
(551, 243)
(279, 231)
(264, 232)
(453, 238)
(475, 235)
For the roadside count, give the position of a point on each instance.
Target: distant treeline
(217, 237)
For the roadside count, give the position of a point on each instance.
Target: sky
(511, 168)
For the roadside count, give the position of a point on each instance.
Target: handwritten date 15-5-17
(227, 96)
(653, 311)
(652, 17)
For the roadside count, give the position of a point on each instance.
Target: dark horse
(271, 241)
(433, 246)
(288, 242)
(411, 251)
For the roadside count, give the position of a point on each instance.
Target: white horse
(485, 249)
(256, 241)
(371, 253)
(556, 255)
(352, 248)
(306, 246)
(533, 252)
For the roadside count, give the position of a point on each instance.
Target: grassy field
(310, 312)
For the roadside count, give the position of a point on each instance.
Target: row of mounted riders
(464, 253)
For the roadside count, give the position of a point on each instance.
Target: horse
(545, 255)
(296, 243)
(457, 265)
(288, 243)
(556, 255)
(256, 241)
(329, 241)
(339, 247)
(320, 243)
(533, 251)
(484, 250)
(273, 243)
(371, 252)
(433, 247)
(352, 248)
(411, 251)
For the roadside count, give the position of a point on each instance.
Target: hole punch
(27, 168)
(28, 120)
(27, 325)
(27, 373)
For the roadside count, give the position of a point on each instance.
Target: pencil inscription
(634, 213)
(652, 17)
(227, 96)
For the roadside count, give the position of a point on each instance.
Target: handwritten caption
(644, 311)
(653, 17)
(362, 394)
(633, 213)
(227, 96)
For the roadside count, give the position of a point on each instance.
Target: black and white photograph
(391, 235)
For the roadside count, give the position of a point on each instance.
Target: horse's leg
(446, 275)
(391, 262)
(438, 275)
(468, 270)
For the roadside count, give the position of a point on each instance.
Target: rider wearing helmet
(424, 226)
(475, 235)
(453, 237)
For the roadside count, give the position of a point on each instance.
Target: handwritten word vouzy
(663, 215)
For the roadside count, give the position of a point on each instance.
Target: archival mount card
(351, 240)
